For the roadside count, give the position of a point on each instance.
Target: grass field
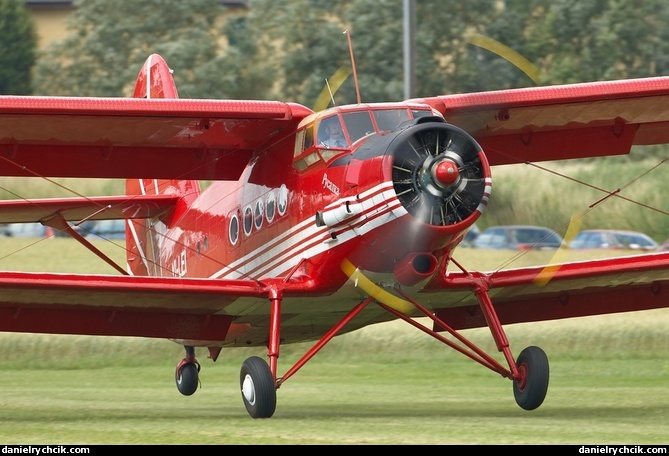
(386, 384)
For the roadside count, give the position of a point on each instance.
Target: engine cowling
(440, 184)
(440, 173)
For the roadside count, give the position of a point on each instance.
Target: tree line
(286, 50)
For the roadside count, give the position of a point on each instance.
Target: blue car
(518, 237)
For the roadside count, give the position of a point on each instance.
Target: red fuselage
(395, 197)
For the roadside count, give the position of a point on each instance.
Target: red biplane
(296, 240)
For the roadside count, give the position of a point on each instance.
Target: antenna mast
(355, 74)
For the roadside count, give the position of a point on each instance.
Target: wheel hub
(248, 390)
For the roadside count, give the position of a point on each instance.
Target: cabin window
(306, 161)
(258, 214)
(233, 231)
(306, 155)
(316, 143)
(248, 220)
(271, 206)
(304, 140)
(282, 204)
(331, 134)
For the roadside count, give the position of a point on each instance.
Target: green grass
(386, 384)
(422, 400)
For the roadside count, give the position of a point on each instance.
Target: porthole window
(258, 214)
(248, 220)
(283, 199)
(271, 206)
(233, 232)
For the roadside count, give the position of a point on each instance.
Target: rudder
(143, 237)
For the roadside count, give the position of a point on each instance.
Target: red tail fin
(155, 80)
(143, 236)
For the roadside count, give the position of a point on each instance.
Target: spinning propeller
(437, 173)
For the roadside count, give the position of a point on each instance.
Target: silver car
(613, 239)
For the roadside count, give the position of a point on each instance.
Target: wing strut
(321, 343)
(471, 350)
(57, 221)
(529, 373)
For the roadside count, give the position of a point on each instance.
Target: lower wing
(205, 309)
(584, 288)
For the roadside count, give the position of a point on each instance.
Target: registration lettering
(179, 267)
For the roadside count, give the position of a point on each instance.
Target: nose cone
(446, 173)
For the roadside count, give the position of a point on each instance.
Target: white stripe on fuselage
(305, 240)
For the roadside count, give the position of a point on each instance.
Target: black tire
(187, 379)
(530, 391)
(258, 388)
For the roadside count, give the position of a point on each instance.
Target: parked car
(107, 229)
(471, 236)
(24, 230)
(518, 237)
(613, 239)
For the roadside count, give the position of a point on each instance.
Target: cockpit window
(331, 133)
(421, 113)
(326, 138)
(358, 124)
(389, 119)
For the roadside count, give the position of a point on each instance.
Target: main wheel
(258, 388)
(530, 391)
(187, 379)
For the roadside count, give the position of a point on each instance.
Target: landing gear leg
(530, 373)
(257, 379)
(187, 373)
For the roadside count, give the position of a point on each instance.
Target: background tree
(109, 41)
(18, 48)
(304, 42)
(240, 70)
(287, 50)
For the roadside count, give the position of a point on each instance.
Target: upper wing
(562, 122)
(594, 287)
(138, 138)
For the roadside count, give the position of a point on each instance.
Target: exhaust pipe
(414, 268)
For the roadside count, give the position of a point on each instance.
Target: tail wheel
(258, 388)
(530, 391)
(438, 174)
(187, 379)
